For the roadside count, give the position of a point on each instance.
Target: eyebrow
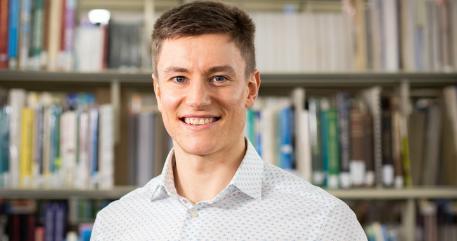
(222, 68)
(174, 69)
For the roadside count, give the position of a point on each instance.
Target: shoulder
(279, 181)
(332, 217)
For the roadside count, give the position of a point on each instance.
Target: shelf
(251, 5)
(397, 194)
(351, 194)
(321, 80)
(54, 194)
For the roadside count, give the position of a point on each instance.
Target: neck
(201, 178)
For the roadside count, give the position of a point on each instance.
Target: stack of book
(55, 141)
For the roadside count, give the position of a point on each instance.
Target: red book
(62, 26)
(3, 34)
(39, 234)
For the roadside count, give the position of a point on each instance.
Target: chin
(199, 148)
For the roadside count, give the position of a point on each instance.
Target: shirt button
(193, 213)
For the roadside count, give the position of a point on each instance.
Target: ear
(155, 83)
(253, 88)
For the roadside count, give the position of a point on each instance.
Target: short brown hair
(206, 17)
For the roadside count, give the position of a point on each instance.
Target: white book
(106, 147)
(302, 148)
(17, 99)
(83, 171)
(68, 145)
(145, 148)
(89, 48)
(391, 48)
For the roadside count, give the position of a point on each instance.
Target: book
(314, 131)
(343, 111)
(4, 39)
(106, 147)
(25, 33)
(302, 143)
(13, 33)
(286, 152)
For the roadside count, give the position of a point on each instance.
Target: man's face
(202, 92)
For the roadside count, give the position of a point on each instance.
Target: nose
(199, 94)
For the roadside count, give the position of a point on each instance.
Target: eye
(218, 79)
(179, 79)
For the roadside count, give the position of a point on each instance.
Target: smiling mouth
(198, 121)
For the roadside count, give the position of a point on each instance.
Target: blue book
(93, 149)
(49, 221)
(13, 32)
(324, 133)
(4, 144)
(25, 33)
(55, 162)
(250, 125)
(258, 132)
(286, 158)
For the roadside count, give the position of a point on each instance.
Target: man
(214, 186)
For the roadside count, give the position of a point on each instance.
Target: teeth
(199, 121)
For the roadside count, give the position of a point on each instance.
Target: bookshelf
(116, 84)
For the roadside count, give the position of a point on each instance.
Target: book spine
(25, 33)
(106, 147)
(54, 31)
(55, 161)
(68, 140)
(4, 33)
(357, 152)
(4, 148)
(286, 150)
(324, 134)
(342, 101)
(93, 146)
(13, 33)
(37, 33)
(82, 179)
(27, 122)
(333, 149)
(387, 139)
(17, 103)
(314, 132)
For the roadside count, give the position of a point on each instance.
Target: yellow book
(26, 149)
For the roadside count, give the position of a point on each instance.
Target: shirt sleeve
(342, 224)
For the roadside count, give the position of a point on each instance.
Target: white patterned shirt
(261, 202)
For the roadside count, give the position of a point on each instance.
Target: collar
(247, 179)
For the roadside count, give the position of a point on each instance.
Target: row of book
(148, 141)
(55, 141)
(367, 138)
(381, 35)
(28, 220)
(435, 220)
(48, 34)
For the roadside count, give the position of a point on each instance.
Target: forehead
(200, 52)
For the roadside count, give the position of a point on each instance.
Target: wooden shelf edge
(322, 79)
(350, 194)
